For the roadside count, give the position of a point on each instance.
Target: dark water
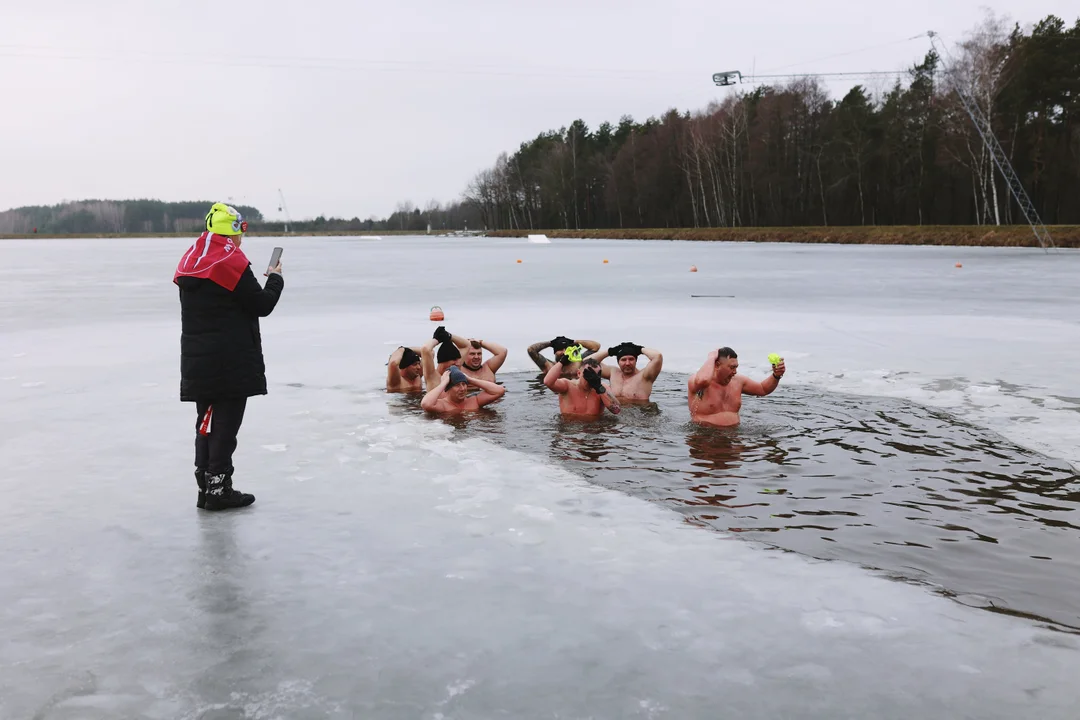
(878, 481)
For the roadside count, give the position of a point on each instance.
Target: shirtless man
(585, 395)
(448, 355)
(559, 345)
(473, 364)
(629, 383)
(404, 371)
(451, 396)
(715, 392)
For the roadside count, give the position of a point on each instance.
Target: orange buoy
(693, 268)
(959, 265)
(605, 262)
(437, 314)
(519, 262)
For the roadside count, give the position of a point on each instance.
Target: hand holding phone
(275, 262)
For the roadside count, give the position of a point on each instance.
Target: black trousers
(214, 449)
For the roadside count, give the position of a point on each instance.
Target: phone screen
(274, 259)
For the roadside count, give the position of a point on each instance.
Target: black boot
(200, 477)
(221, 496)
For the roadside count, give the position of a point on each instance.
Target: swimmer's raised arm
(459, 341)
(431, 398)
(554, 379)
(427, 362)
(393, 371)
(393, 366)
(766, 386)
(498, 355)
(492, 391)
(534, 353)
(656, 363)
(588, 344)
(605, 370)
(606, 398)
(701, 379)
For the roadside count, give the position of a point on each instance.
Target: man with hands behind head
(585, 395)
(450, 396)
(473, 363)
(628, 382)
(404, 371)
(559, 345)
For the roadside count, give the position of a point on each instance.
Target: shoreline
(1063, 236)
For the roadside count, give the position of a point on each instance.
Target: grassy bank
(970, 235)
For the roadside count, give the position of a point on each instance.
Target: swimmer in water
(715, 392)
(450, 396)
(449, 355)
(403, 371)
(473, 363)
(584, 396)
(629, 383)
(559, 345)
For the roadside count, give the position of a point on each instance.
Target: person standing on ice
(221, 358)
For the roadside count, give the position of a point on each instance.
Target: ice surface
(391, 570)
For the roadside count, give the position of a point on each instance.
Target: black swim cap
(408, 357)
(448, 352)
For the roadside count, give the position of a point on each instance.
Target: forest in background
(770, 156)
(792, 156)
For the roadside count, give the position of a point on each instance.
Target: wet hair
(725, 353)
(590, 362)
(408, 357)
(448, 352)
(476, 345)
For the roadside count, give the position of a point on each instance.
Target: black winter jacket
(220, 345)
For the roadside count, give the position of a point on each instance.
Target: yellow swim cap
(225, 220)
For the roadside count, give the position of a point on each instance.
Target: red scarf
(213, 257)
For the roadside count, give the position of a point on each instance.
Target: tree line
(770, 156)
(113, 216)
(790, 155)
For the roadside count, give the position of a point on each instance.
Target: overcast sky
(352, 107)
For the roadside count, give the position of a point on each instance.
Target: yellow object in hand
(775, 359)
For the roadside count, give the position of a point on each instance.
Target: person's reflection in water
(227, 625)
(718, 455)
(579, 441)
(478, 423)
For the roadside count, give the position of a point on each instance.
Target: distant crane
(978, 118)
(282, 207)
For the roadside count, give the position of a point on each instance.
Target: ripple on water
(883, 482)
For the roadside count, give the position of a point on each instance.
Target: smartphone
(275, 258)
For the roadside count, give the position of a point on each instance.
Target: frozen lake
(399, 566)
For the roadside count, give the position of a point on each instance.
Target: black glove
(441, 335)
(613, 351)
(631, 347)
(561, 343)
(593, 378)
